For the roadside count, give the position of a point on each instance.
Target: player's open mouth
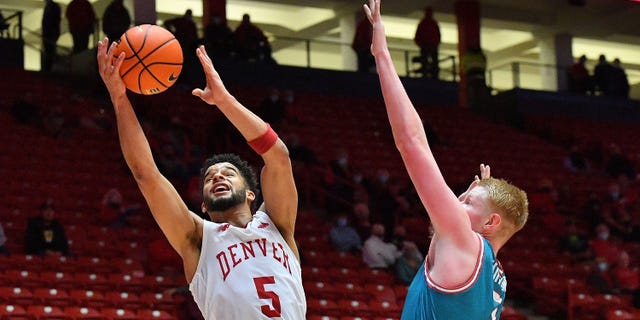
(220, 189)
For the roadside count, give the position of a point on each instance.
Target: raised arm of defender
(454, 240)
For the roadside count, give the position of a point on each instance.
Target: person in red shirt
(625, 278)
(603, 246)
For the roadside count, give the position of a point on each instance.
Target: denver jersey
(480, 298)
(247, 273)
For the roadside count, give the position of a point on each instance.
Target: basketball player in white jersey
(239, 265)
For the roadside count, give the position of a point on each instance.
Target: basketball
(153, 59)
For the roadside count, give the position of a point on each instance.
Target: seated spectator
(409, 262)
(600, 278)
(576, 160)
(344, 238)
(398, 236)
(376, 253)
(625, 278)
(45, 235)
(362, 222)
(3, 241)
(113, 213)
(272, 109)
(574, 243)
(603, 246)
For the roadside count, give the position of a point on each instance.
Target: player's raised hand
(109, 68)
(215, 91)
(379, 41)
(485, 173)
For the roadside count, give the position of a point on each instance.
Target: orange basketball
(153, 59)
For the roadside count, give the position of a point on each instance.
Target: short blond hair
(510, 201)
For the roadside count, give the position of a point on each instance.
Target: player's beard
(222, 204)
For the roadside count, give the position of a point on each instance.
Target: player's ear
(493, 222)
(203, 208)
(251, 195)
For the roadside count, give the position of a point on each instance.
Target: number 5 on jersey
(273, 310)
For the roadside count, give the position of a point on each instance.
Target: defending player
(461, 277)
(240, 265)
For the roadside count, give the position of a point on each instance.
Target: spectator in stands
(619, 81)
(338, 177)
(385, 201)
(408, 263)
(115, 20)
(579, 78)
(218, 38)
(625, 278)
(618, 163)
(251, 43)
(362, 223)
(185, 31)
(54, 121)
(376, 253)
(601, 75)
(294, 114)
(272, 109)
(300, 152)
(427, 37)
(603, 246)
(361, 45)
(398, 236)
(576, 160)
(50, 33)
(82, 21)
(574, 243)
(344, 237)
(113, 212)
(614, 211)
(4, 250)
(45, 235)
(600, 277)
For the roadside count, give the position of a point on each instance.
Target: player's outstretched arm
(182, 228)
(447, 215)
(278, 187)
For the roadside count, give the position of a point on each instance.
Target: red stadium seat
(84, 313)
(88, 298)
(380, 292)
(122, 299)
(45, 312)
(52, 297)
(14, 312)
(119, 314)
(355, 308)
(17, 295)
(154, 314)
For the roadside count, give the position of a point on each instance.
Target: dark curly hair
(246, 171)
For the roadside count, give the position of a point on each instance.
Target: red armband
(264, 142)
